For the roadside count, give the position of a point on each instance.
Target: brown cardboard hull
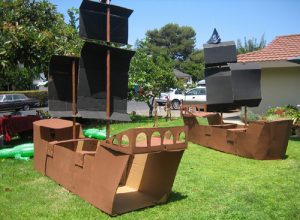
(261, 140)
(111, 180)
(57, 130)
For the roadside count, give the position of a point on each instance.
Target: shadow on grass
(294, 138)
(176, 196)
(140, 118)
(16, 141)
(173, 197)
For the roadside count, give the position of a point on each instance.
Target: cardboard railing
(261, 140)
(147, 140)
(114, 180)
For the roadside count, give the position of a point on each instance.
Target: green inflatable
(95, 133)
(21, 152)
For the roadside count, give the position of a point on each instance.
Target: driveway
(141, 108)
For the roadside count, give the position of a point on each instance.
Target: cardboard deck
(114, 177)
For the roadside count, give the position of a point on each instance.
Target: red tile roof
(282, 48)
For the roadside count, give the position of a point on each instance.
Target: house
(183, 76)
(280, 75)
(40, 82)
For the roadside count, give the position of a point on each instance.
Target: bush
(42, 96)
(250, 115)
(288, 112)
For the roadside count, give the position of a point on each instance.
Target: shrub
(250, 115)
(288, 112)
(42, 96)
(274, 111)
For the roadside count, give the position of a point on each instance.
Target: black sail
(219, 93)
(233, 86)
(230, 85)
(91, 67)
(60, 85)
(92, 82)
(246, 87)
(92, 21)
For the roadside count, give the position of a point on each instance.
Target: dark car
(17, 102)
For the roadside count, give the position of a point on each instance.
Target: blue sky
(234, 19)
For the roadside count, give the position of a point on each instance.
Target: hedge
(42, 96)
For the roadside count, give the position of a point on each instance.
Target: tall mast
(108, 70)
(74, 107)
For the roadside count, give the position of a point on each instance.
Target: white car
(201, 83)
(173, 95)
(195, 95)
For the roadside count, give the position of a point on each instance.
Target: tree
(152, 74)
(193, 65)
(73, 16)
(172, 40)
(30, 33)
(178, 44)
(250, 45)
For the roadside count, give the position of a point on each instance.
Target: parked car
(17, 102)
(196, 95)
(201, 83)
(175, 95)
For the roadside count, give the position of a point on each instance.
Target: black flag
(215, 38)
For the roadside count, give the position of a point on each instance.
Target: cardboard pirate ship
(230, 85)
(128, 171)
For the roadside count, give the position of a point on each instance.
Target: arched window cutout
(125, 141)
(155, 139)
(181, 138)
(168, 138)
(141, 140)
(115, 141)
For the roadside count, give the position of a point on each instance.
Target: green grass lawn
(209, 185)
